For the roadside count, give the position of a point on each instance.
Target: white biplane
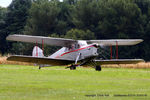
(73, 52)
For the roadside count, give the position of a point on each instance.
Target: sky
(5, 3)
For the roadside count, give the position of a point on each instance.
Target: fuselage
(81, 50)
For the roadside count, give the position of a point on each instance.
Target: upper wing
(118, 61)
(39, 60)
(40, 39)
(114, 42)
(66, 42)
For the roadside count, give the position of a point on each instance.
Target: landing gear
(98, 68)
(40, 66)
(72, 67)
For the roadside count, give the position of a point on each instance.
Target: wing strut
(43, 46)
(116, 50)
(36, 49)
(110, 51)
(111, 54)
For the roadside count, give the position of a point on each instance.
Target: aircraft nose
(95, 54)
(95, 45)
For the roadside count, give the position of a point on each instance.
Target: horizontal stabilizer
(114, 42)
(39, 60)
(118, 61)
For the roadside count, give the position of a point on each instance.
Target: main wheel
(72, 67)
(98, 68)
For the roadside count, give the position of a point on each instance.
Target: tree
(2, 15)
(86, 14)
(121, 19)
(143, 5)
(42, 18)
(3, 47)
(146, 46)
(64, 18)
(80, 34)
(16, 17)
(71, 2)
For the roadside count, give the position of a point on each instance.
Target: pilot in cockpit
(73, 47)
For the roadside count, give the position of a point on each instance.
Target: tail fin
(37, 52)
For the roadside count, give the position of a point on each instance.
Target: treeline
(77, 19)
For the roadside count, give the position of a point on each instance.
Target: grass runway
(18, 82)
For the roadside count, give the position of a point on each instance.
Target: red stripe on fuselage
(76, 50)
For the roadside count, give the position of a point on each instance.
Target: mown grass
(18, 82)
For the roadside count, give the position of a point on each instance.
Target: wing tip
(8, 37)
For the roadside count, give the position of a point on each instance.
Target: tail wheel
(98, 68)
(72, 67)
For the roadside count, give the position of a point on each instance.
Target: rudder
(37, 52)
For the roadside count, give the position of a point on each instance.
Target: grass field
(18, 82)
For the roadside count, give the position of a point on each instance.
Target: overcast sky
(5, 3)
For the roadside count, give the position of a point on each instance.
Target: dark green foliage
(42, 18)
(3, 46)
(121, 19)
(144, 5)
(86, 14)
(17, 15)
(14, 22)
(78, 34)
(71, 2)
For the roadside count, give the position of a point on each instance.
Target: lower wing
(40, 60)
(50, 61)
(113, 61)
(118, 61)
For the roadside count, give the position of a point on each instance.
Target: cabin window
(74, 46)
(66, 49)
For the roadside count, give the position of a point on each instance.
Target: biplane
(73, 53)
